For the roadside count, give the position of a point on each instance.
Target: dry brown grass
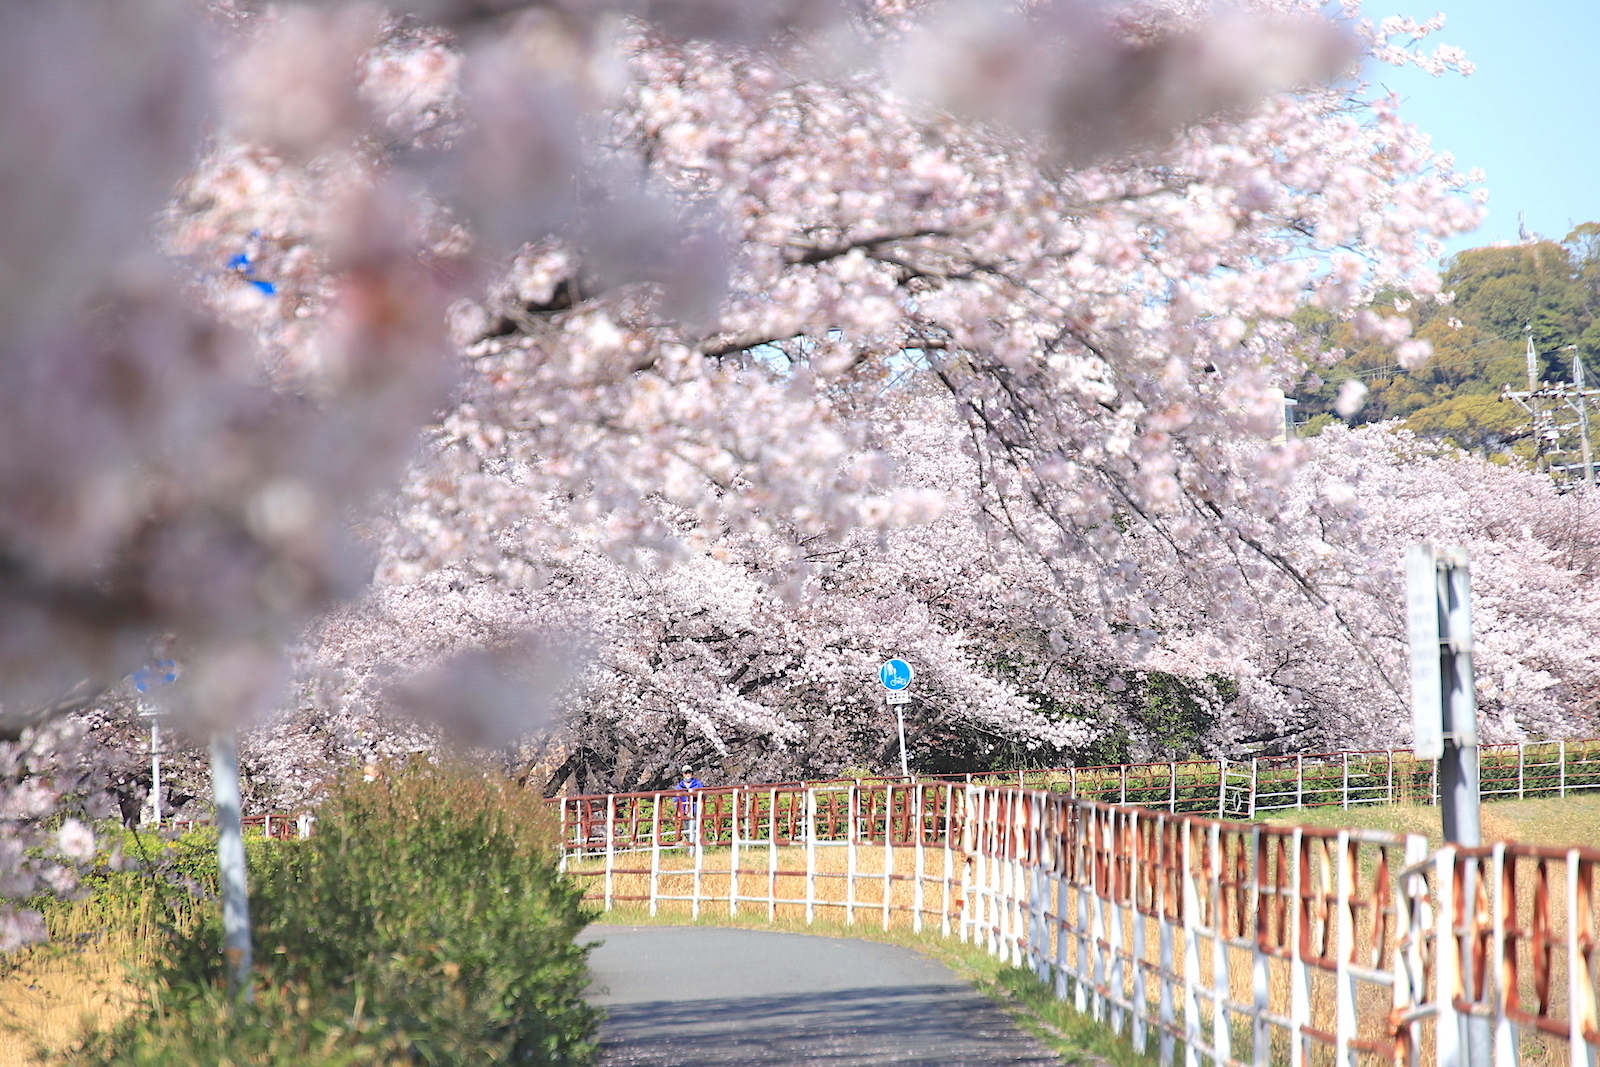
(80, 979)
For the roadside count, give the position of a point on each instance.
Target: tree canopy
(490, 300)
(1501, 296)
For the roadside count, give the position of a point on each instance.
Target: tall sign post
(1444, 715)
(162, 672)
(896, 676)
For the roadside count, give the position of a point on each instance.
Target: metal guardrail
(1222, 942)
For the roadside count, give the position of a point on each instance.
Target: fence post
(655, 851)
(949, 859)
(1061, 815)
(1124, 777)
(1260, 961)
(1115, 825)
(1137, 861)
(1099, 941)
(733, 853)
(1344, 780)
(1011, 879)
(1299, 970)
(1447, 962)
(772, 857)
(1561, 777)
(1299, 781)
(1222, 785)
(1084, 844)
(969, 842)
(697, 842)
(1411, 910)
(1038, 905)
(1521, 761)
(1505, 1035)
(920, 858)
(1165, 907)
(1344, 994)
(988, 864)
(561, 864)
(1252, 805)
(1191, 951)
(888, 850)
(1221, 1032)
(811, 854)
(1172, 793)
(850, 855)
(1580, 963)
(1072, 780)
(611, 843)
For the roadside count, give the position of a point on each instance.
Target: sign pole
(155, 772)
(1458, 766)
(162, 672)
(896, 676)
(1444, 708)
(900, 719)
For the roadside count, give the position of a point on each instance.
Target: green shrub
(424, 922)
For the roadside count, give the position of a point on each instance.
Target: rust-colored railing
(1222, 942)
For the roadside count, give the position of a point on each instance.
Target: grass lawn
(1572, 820)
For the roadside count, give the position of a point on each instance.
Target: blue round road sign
(895, 674)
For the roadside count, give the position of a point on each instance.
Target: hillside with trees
(1479, 341)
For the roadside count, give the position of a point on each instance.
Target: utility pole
(1542, 400)
(1583, 415)
(1533, 359)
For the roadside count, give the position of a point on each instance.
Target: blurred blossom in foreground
(1352, 396)
(488, 697)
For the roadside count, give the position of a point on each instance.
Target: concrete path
(697, 996)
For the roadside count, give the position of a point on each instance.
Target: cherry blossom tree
(725, 661)
(691, 249)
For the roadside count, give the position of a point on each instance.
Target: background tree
(1479, 342)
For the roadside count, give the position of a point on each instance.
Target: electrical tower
(1559, 412)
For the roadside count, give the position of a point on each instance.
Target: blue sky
(1529, 116)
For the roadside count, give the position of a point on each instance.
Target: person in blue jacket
(688, 808)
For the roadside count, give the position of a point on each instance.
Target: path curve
(698, 996)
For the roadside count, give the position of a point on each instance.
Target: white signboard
(1422, 626)
(898, 696)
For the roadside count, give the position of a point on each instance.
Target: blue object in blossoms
(242, 264)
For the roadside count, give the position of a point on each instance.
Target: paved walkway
(697, 996)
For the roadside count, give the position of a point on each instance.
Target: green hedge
(424, 923)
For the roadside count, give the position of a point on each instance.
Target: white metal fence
(1247, 786)
(1218, 942)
